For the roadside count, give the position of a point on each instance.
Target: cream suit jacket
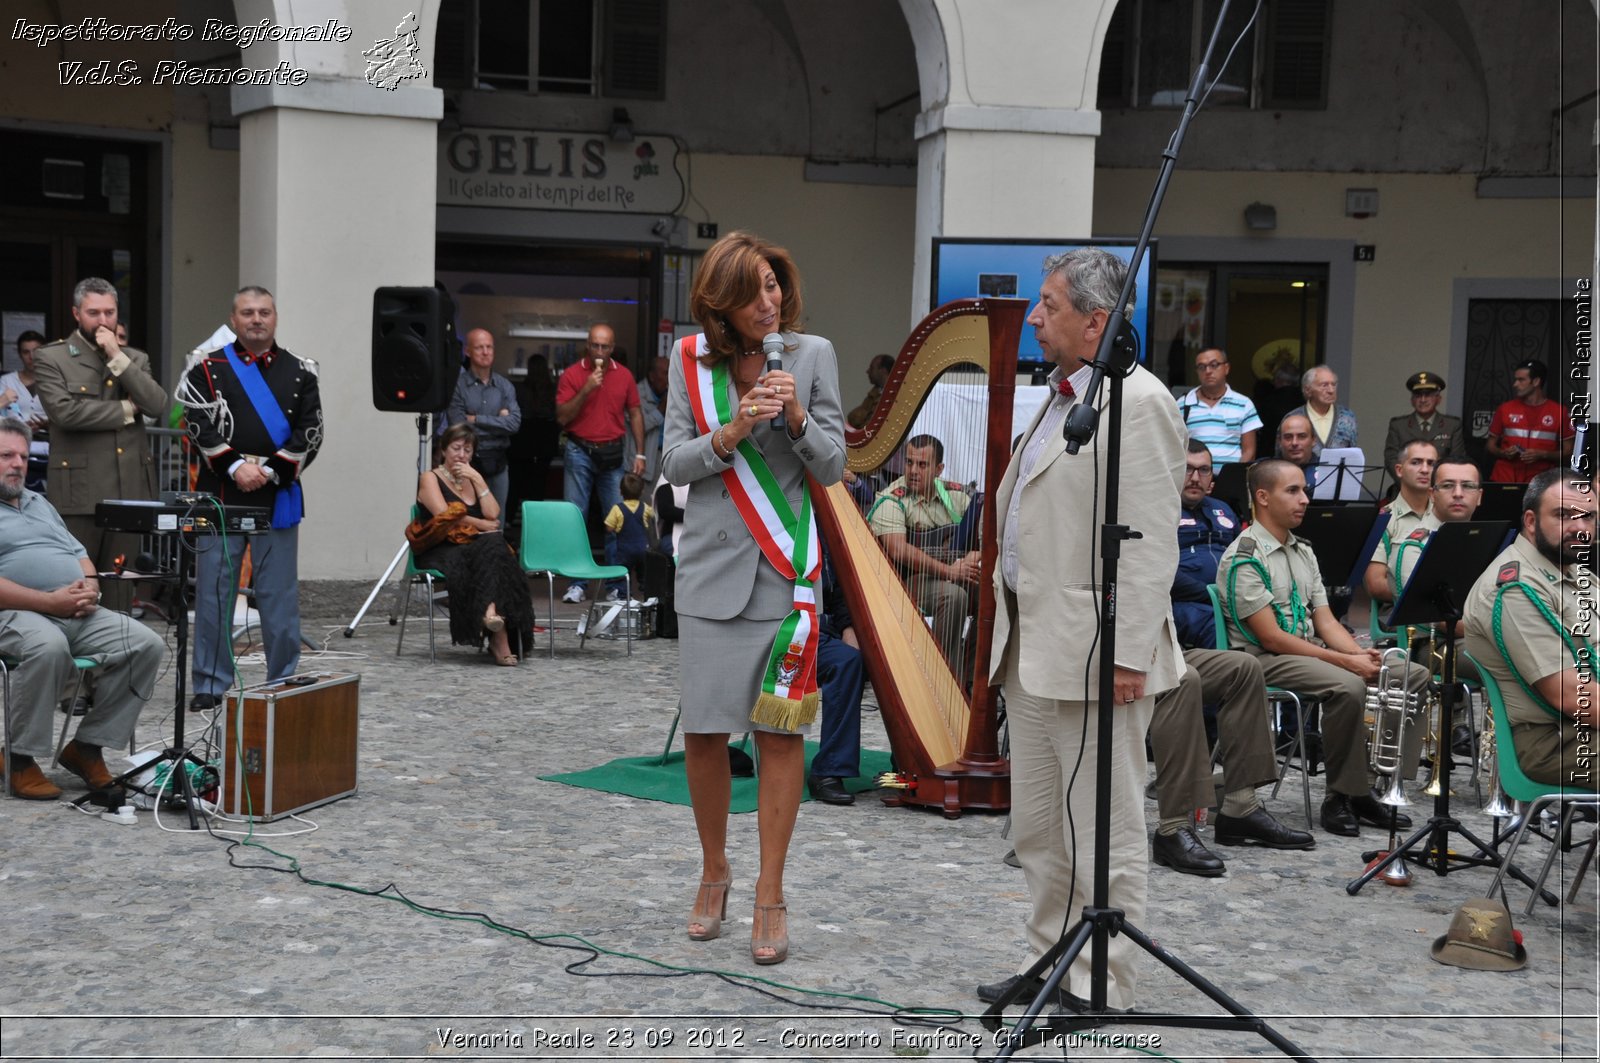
(1054, 609)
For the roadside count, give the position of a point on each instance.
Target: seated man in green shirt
(1530, 624)
(1271, 589)
(918, 520)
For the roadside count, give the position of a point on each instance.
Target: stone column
(337, 191)
(1005, 139)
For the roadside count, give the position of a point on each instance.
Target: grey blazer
(718, 560)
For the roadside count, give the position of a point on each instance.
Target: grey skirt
(722, 663)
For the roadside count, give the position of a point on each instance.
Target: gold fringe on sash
(786, 714)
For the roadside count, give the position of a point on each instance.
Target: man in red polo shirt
(1530, 432)
(597, 402)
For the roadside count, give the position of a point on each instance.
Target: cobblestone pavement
(149, 941)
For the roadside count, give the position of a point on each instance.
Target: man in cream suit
(1047, 584)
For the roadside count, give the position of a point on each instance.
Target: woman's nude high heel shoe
(763, 935)
(715, 895)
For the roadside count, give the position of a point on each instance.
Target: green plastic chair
(1534, 795)
(1275, 696)
(83, 665)
(1379, 632)
(556, 543)
(429, 578)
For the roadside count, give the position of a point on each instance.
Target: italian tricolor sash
(788, 698)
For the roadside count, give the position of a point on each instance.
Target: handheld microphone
(772, 347)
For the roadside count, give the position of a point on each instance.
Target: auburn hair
(729, 277)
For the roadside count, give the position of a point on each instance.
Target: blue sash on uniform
(288, 506)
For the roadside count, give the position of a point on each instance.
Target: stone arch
(1006, 135)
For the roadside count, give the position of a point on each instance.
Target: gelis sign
(543, 170)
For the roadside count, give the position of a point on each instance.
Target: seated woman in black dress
(488, 589)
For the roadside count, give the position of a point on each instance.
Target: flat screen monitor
(968, 267)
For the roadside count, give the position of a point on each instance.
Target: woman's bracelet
(717, 446)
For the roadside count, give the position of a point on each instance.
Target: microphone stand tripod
(424, 438)
(1099, 920)
(178, 754)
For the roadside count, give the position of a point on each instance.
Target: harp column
(1007, 131)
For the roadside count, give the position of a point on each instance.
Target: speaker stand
(424, 441)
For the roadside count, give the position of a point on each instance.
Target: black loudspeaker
(415, 355)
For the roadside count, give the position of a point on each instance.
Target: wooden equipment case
(295, 748)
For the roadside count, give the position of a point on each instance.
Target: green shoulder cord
(1394, 569)
(1555, 624)
(878, 502)
(1297, 609)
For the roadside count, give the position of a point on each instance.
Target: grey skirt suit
(730, 599)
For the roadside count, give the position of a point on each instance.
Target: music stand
(1229, 486)
(1452, 559)
(1501, 501)
(177, 753)
(1339, 478)
(1338, 534)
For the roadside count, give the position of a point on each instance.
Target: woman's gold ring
(754, 409)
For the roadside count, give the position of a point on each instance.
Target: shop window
(553, 46)
(1152, 48)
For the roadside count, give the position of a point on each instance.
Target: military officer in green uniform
(1425, 422)
(1407, 511)
(1530, 624)
(1456, 493)
(918, 522)
(1272, 595)
(94, 389)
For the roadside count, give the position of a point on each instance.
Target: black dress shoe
(1461, 741)
(1186, 853)
(1338, 817)
(829, 791)
(1075, 1004)
(991, 992)
(1375, 813)
(1259, 828)
(204, 702)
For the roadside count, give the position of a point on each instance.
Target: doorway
(70, 208)
(1271, 318)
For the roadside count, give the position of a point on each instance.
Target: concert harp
(940, 715)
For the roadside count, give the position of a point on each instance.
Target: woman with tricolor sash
(746, 439)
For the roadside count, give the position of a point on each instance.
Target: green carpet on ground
(654, 779)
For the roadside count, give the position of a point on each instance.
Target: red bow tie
(1064, 386)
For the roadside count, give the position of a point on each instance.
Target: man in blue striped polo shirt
(1219, 416)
